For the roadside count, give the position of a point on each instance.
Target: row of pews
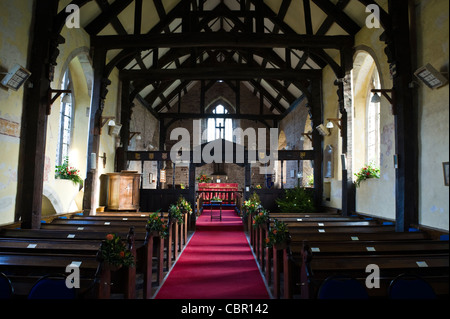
(28, 255)
(322, 246)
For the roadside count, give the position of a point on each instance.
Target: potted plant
(296, 200)
(175, 213)
(156, 224)
(184, 205)
(261, 218)
(368, 171)
(65, 171)
(115, 253)
(203, 178)
(278, 235)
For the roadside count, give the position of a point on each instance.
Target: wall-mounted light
(107, 119)
(104, 159)
(431, 77)
(52, 98)
(16, 77)
(332, 122)
(385, 92)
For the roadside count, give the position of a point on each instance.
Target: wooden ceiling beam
(104, 18)
(340, 17)
(220, 40)
(224, 71)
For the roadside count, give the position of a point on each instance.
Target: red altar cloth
(225, 191)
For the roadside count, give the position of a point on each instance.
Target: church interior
(312, 134)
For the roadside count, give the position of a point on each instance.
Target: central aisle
(217, 263)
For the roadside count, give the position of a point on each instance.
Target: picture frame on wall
(446, 173)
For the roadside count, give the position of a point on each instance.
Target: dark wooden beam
(406, 119)
(224, 72)
(340, 17)
(220, 40)
(255, 117)
(34, 116)
(107, 16)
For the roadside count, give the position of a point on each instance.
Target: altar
(227, 192)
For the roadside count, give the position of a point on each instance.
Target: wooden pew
(298, 228)
(25, 258)
(299, 234)
(316, 267)
(141, 247)
(90, 223)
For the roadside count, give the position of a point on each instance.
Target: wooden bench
(115, 224)
(333, 233)
(431, 265)
(143, 243)
(25, 259)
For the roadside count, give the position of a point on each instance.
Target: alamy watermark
(373, 19)
(73, 19)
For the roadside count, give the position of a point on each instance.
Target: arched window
(219, 127)
(373, 124)
(65, 122)
(366, 118)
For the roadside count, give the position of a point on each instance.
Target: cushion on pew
(6, 288)
(51, 287)
(341, 287)
(444, 237)
(410, 287)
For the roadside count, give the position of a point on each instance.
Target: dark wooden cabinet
(123, 191)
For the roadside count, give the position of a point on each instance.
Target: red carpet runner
(217, 263)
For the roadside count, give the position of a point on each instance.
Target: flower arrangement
(277, 234)
(368, 171)
(260, 218)
(216, 199)
(296, 200)
(65, 172)
(251, 205)
(184, 205)
(157, 224)
(203, 178)
(114, 251)
(175, 213)
(258, 186)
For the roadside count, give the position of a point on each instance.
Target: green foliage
(368, 171)
(175, 213)
(184, 205)
(156, 223)
(260, 218)
(65, 172)
(251, 205)
(114, 251)
(278, 233)
(296, 200)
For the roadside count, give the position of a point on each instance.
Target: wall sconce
(107, 119)
(104, 159)
(132, 134)
(16, 77)
(52, 99)
(431, 77)
(332, 122)
(377, 99)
